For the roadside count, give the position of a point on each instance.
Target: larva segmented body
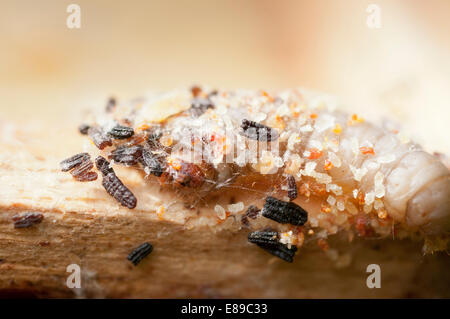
(114, 186)
(344, 166)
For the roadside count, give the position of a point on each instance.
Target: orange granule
(160, 212)
(313, 115)
(355, 119)
(367, 150)
(328, 165)
(325, 208)
(220, 221)
(267, 95)
(142, 127)
(337, 129)
(315, 153)
(175, 164)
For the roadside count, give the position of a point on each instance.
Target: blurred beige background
(48, 73)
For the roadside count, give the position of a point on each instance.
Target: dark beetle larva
(284, 212)
(113, 185)
(121, 132)
(257, 131)
(140, 253)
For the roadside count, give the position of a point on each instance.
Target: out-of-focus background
(49, 72)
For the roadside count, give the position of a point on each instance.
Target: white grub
(355, 193)
(334, 159)
(220, 211)
(379, 187)
(358, 173)
(236, 208)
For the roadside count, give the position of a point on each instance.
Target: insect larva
(100, 139)
(257, 131)
(126, 155)
(252, 212)
(87, 177)
(85, 166)
(152, 162)
(121, 132)
(83, 129)
(263, 237)
(27, 219)
(80, 166)
(292, 187)
(284, 212)
(140, 253)
(113, 185)
(200, 106)
(73, 161)
(269, 241)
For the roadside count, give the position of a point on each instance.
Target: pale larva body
(352, 166)
(417, 184)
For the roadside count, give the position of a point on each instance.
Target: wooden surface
(190, 259)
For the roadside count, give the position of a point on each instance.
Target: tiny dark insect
(153, 163)
(263, 237)
(252, 212)
(99, 138)
(140, 253)
(284, 212)
(27, 219)
(111, 104)
(73, 161)
(120, 132)
(200, 106)
(257, 131)
(126, 155)
(113, 185)
(83, 129)
(292, 187)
